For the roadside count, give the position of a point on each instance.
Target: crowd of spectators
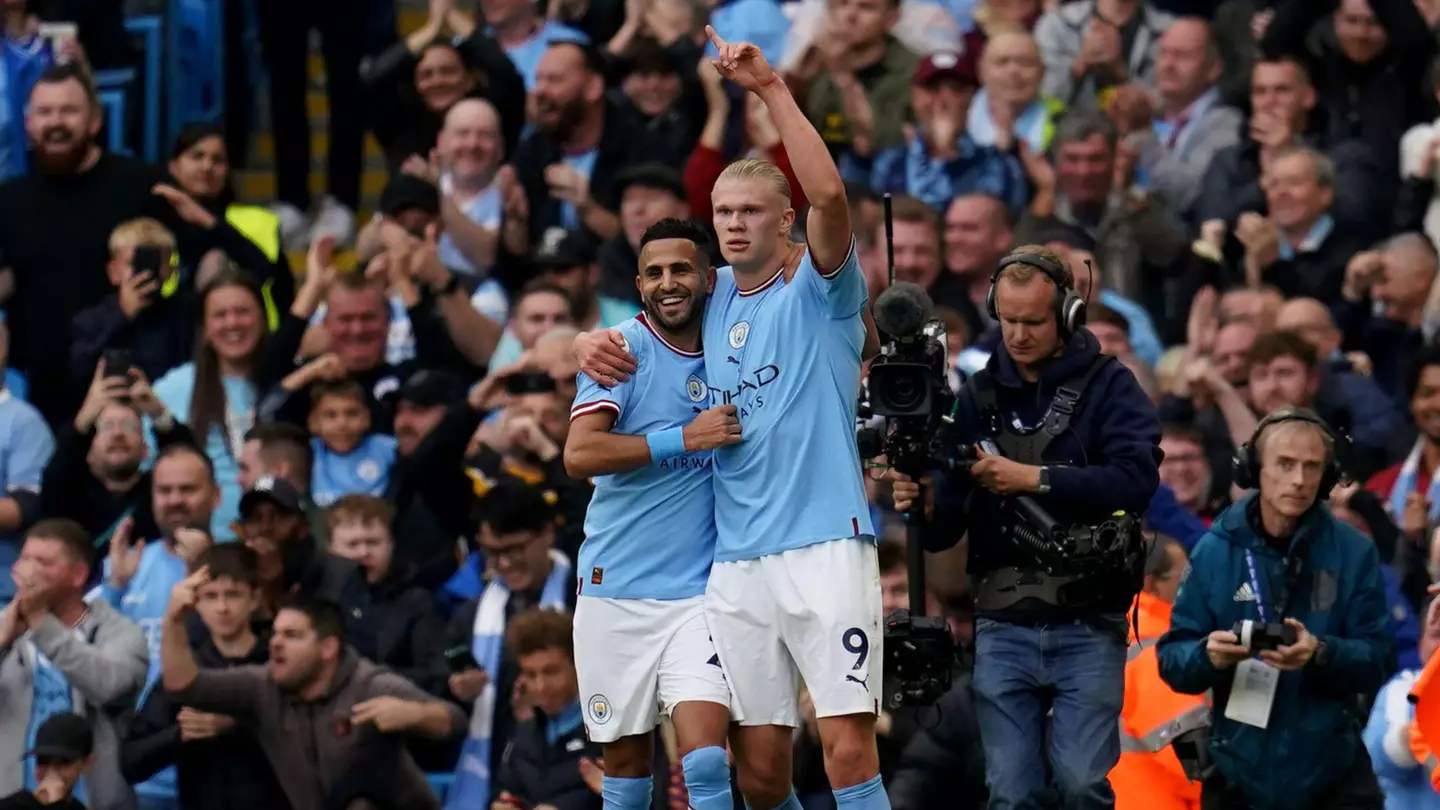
(368, 464)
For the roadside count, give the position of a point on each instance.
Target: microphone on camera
(903, 310)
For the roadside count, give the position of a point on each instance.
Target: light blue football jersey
(650, 533)
(787, 355)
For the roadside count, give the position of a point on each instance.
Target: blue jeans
(1075, 671)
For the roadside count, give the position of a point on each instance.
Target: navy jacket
(1313, 735)
(1107, 460)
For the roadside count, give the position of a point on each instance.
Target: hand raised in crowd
(137, 292)
(328, 367)
(1260, 23)
(1224, 650)
(185, 206)
(1099, 47)
(426, 168)
(425, 265)
(1131, 109)
(1294, 656)
(742, 63)
(191, 543)
(523, 431)
(1341, 494)
(713, 428)
(125, 555)
(604, 357)
(142, 396)
(197, 725)
(11, 625)
(468, 684)
(1361, 273)
(1004, 476)
(32, 592)
(1038, 168)
(512, 193)
(1203, 321)
(387, 714)
(712, 83)
(103, 391)
(186, 592)
(567, 184)
(944, 125)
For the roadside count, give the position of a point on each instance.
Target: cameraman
(1080, 438)
(1286, 722)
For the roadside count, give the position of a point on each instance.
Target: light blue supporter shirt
(52, 695)
(526, 55)
(143, 602)
(175, 390)
(365, 469)
(787, 355)
(649, 533)
(26, 445)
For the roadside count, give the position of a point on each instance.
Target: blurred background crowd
(306, 276)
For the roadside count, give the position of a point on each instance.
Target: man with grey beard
(95, 475)
(567, 166)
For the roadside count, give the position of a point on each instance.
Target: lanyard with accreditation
(1252, 692)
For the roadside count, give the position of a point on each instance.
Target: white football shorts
(810, 614)
(636, 658)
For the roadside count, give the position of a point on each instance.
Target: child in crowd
(349, 458)
(210, 749)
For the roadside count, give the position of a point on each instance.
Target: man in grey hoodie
(60, 654)
(320, 711)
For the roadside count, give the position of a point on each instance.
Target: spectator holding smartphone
(149, 314)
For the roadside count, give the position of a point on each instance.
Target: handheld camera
(1262, 636)
(907, 388)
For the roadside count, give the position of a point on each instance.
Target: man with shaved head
(468, 151)
(1393, 281)
(1191, 125)
(1009, 104)
(1344, 384)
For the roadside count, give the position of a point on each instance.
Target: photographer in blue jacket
(1282, 618)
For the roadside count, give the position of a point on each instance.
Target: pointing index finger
(714, 37)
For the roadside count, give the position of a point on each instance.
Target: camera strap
(1028, 447)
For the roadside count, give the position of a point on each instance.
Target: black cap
(652, 175)
(406, 192)
(560, 249)
(65, 737)
(278, 491)
(428, 387)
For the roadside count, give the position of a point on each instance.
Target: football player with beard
(641, 640)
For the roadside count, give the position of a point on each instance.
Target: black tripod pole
(915, 555)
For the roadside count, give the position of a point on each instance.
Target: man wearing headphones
(1052, 424)
(1282, 618)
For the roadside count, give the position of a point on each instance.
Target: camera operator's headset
(1068, 305)
(1246, 465)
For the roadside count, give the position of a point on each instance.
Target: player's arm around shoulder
(593, 448)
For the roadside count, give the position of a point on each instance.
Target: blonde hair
(140, 231)
(1023, 273)
(757, 169)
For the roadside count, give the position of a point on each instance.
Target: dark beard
(572, 113)
(66, 162)
(697, 308)
(122, 472)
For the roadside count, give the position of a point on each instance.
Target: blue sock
(626, 794)
(790, 803)
(707, 779)
(868, 795)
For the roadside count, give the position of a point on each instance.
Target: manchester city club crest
(599, 708)
(738, 334)
(696, 389)
(369, 471)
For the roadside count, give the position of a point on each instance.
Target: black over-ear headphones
(1069, 306)
(1246, 466)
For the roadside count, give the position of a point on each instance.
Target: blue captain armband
(666, 444)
